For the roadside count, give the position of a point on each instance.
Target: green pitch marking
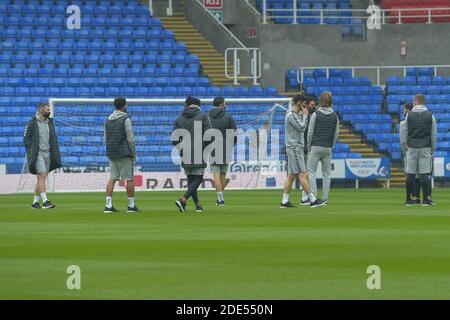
(249, 249)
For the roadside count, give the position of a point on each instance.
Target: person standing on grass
(311, 106)
(296, 121)
(412, 196)
(193, 122)
(222, 121)
(419, 132)
(322, 137)
(43, 154)
(121, 152)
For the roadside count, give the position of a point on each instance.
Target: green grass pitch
(249, 249)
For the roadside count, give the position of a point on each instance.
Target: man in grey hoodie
(419, 132)
(323, 134)
(295, 123)
(121, 151)
(224, 122)
(412, 196)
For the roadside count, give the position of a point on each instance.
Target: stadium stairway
(212, 61)
(398, 177)
(358, 144)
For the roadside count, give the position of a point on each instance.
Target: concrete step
(370, 155)
(349, 141)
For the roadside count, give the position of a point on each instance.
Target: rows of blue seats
(417, 80)
(60, 20)
(99, 57)
(415, 89)
(88, 45)
(345, 90)
(138, 91)
(108, 70)
(309, 17)
(40, 33)
(320, 77)
(431, 98)
(308, 4)
(73, 83)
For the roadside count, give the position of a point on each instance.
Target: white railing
(385, 16)
(169, 10)
(252, 8)
(301, 71)
(255, 65)
(150, 7)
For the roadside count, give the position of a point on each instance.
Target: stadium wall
(237, 18)
(291, 46)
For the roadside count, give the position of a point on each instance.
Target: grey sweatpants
(323, 155)
(419, 160)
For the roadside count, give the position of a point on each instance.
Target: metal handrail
(300, 71)
(220, 24)
(255, 11)
(255, 65)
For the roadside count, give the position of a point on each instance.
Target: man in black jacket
(187, 135)
(43, 154)
(223, 122)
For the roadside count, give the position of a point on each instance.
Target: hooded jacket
(119, 136)
(408, 134)
(31, 142)
(222, 121)
(190, 118)
(312, 126)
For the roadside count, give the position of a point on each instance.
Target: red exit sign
(213, 4)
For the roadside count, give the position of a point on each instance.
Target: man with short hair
(322, 137)
(412, 196)
(121, 151)
(296, 121)
(420, 136)
(43, 154)
(193, 163)
(311, 106)
(224, 122)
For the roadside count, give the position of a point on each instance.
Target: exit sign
(217, 14)
(213, 4)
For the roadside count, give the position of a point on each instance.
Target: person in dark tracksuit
(322, 136)
(413, 195)
(420, 136)
(224, 122)
(311, 106)
(121, 152)
(43, 156)
(194, 122)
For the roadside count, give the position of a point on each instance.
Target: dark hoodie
(31, 142)
(222, 121)
(186, 120)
